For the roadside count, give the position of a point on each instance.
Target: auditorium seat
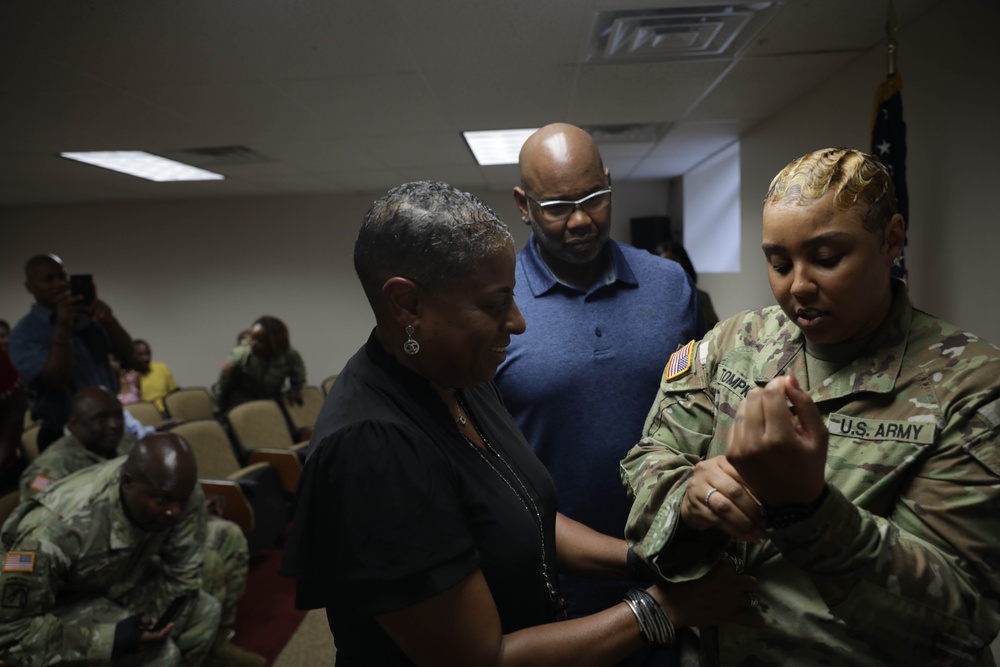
(262, 431)
(189, 403)
(250, 496)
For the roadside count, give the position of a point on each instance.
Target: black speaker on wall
(650, 231)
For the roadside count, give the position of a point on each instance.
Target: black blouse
(395, 506)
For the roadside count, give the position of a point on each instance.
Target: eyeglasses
(561, 210)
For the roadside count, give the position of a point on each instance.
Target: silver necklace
(525, 499)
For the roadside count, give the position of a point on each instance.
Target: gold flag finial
(891, 45)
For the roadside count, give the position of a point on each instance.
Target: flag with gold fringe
(889, 145)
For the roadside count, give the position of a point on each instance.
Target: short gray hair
(426, 231)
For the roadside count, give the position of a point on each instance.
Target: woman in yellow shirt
(147, 380)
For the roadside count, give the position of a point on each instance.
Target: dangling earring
(898, 260)
(410, 346)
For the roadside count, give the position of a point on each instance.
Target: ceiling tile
(700, 138)
(368, 106)
(504, 98)
(641, 92)
(758, 87)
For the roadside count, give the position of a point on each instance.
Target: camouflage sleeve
(296, 370)
(57, 462)
(925, 580)
(36, 563)
(37, 477)
(223, 387)
(677, 434)
(182, 555)
(25, 483)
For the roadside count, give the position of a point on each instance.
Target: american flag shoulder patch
(680, 362)
(40, 483)
(19, 561)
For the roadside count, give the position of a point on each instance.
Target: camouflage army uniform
(246, 376)
(227, 556)
(901, 563)
(227, 560)
(74, 565)
(60, 459)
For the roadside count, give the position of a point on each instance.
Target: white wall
(712, 213)
(187, 276)
(951, 98)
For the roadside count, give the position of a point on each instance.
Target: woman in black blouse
(424, 524)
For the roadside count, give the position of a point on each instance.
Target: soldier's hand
(717, 497)
(134, 633)
(779, 452)
(151, 636)
(156, 636)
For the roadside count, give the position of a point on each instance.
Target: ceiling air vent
(216, 155)
(634, 133)
(675, 33)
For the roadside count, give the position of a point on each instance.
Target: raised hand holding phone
(82, 285)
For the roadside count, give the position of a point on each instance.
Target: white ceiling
(332, 96)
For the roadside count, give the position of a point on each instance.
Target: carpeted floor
(266, 617)
(311, 645)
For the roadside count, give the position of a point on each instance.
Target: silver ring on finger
(738, 564)
(709, 494)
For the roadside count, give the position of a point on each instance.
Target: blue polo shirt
(581, 379)
(30, 343)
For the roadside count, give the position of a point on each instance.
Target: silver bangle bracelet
(654, 624)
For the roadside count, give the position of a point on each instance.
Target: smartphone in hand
(82, 285)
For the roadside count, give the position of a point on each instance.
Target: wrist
(654, 624)
(635, 567)
(785, 515)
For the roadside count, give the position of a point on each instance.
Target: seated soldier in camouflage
(91, 563)
(95, 434)
(843, 445)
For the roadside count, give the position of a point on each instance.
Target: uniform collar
(73, 443)
(875, 370)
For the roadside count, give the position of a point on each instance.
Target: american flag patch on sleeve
(19, 561)
(680, 362)
(40, 483)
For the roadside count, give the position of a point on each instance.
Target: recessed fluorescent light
(144, 165)
(497, 146)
